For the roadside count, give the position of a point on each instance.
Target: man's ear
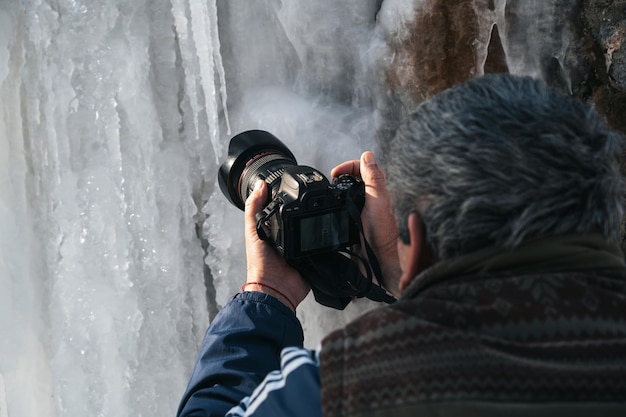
(414, 255)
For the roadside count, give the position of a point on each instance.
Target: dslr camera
(307, 215)
(310, 221)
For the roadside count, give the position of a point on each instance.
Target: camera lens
(253, 155)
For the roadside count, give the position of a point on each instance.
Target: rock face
(578, 46)
(601, 26)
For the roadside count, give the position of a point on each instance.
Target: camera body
(306, 214)
(311, 216)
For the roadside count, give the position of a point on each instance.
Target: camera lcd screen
(325, 231)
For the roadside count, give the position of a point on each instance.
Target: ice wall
(112, 120)
(108, 131)
(115, 247)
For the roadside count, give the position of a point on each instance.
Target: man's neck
(541, 254)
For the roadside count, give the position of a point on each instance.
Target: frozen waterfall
(111, 125)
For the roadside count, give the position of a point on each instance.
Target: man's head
(499, 159)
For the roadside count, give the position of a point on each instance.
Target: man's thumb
(370, 171)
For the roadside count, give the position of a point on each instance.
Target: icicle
(217, 56)
(201, 35)
(181, 23)
(196, 26)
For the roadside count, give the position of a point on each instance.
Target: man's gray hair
(502, 158)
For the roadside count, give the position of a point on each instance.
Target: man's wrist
(271, 290)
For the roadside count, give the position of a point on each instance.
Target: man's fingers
(254, 204)
(367, 168)
(348, 167)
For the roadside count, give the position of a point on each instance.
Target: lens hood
(243, 149)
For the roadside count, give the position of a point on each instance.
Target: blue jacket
(241, 347)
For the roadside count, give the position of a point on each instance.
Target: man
(511, 284)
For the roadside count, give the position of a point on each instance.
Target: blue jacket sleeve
(294, 391)
(241, 346)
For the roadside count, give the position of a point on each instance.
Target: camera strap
(336, 279)
(371, 264)
(373, 260)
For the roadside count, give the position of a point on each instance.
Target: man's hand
(379, 222)
(268, 272)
